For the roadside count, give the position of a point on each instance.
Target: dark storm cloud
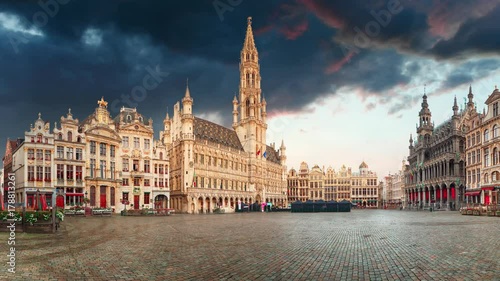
(404, 102)
(474, 37)
(467, 73)
(417, 27)
(300, 63)
(371, 24)
(457, 79)
(188, 27)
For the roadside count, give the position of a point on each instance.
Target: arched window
(161, 155)
(247, 108)
(253, 80)
(247, 82)
(70, 136)
(79, 139)
(486, 180)
(112, 196)
(129, 118)
(59, 136)
(486, 135)
(495, 131)
(495, 156)
(92, 196)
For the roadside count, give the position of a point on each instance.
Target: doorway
(136, 202)
(103, 197)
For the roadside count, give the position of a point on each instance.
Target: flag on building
(265, 154)
(258, 152)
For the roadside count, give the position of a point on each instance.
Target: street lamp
(86, 199)
(38, 199)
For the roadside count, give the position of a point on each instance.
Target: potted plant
(218, 211)
(31, 218)
(60, 215)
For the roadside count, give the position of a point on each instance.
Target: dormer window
(59, 137)
(70, 136)
(129, 118)
(79, 139)
(39, 138)
(141, 119)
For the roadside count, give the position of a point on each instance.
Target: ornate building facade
(32, 163)
(136, 158)
(316, 184)
(483, 152)
(102, 180)
(69, 161)
(10, 147)
(395, 184)
(364, 187)
(216, 167)
(298, 184)
(435, 175)
(103, 159)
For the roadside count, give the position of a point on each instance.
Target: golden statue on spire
(249, 19)
(102, 103)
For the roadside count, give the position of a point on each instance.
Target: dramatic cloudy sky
(341, 86)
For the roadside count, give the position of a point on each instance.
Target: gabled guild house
(33, 166)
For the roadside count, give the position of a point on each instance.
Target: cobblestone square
(361, 245)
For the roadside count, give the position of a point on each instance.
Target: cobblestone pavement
(361, 245)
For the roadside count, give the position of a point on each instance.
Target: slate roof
(272, 155)
(123, 117)
(206, 130)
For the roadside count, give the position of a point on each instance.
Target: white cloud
(214, 117)
(92, 37)
(13, 23)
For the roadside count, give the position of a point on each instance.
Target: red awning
(473, 193)
(74, 194)
(487, 187)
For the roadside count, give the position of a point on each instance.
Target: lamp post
(38, 199)
(86, 199)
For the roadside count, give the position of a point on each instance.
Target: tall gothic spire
(249, 44)
(188, 94)
(424, 100)
(455, 106)
(425, 126)
(471, 97)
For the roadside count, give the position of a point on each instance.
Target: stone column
(419, 196)
(448, 198)
(441, 196)
(108, 196)
(435, 197)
